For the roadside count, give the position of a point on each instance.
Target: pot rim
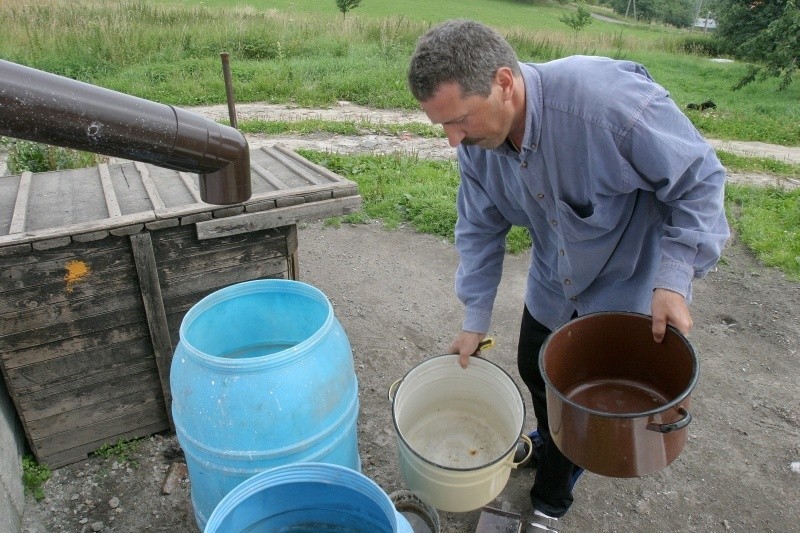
(550, 387)
(405, 443)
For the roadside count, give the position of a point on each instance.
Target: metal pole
(226, 73)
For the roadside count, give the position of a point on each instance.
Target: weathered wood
(154, 310)
(141, 415)
(112, 205)
(281, 216)
(20, 216)
(191, 185)
(90, 307)
(150, 187)
(304, 164)
(268, 176)
(45, 372)
(81, 452)
(36, 236)
(91, 348)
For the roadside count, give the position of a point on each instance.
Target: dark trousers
(551, 492)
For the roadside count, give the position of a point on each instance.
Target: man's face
(469, 120)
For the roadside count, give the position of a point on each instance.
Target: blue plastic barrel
(308, 498)
(262, 376)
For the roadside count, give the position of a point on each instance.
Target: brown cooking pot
(617, 401)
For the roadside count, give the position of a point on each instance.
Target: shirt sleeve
(480, 241)
(671, 158)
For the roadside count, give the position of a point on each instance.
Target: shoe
(533, 462)
(539, 523)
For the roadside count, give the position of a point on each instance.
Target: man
(622, 196)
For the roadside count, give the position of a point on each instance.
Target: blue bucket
(308, 498)
(262, 376)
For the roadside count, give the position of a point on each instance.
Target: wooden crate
(98, 267)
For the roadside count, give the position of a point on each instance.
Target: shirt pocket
(584, 223)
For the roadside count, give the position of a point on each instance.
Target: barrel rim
(307, 472)
(249, 287)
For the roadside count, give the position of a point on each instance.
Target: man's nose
(454, 135)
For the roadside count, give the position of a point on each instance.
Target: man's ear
(504, 77)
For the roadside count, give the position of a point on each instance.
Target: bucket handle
(674, 426)
(485, 344)
(393, 389)
(527, 440)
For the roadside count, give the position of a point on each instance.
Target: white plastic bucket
(457, 431)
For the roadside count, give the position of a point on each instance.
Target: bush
(27, 156)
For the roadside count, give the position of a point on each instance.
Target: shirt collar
(533, 113)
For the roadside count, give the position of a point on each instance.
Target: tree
(766, 32)
(346, 5)
(578, 19)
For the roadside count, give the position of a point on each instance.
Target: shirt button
(561, 252)
(524, 164)
(540, 195)
(553, 223)
(567, 281)
(574, 299)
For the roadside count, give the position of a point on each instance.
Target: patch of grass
(33, 477)
(123, 451)
(768, 222)
(302, 52)
(403, 190)
(761, 165)
(35, 157)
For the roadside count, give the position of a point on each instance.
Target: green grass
(768, 221)
(304, 52)
(124, 451)
(33, 477)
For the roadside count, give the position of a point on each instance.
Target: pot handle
(527, 440)
(393, 389)
(674, 426)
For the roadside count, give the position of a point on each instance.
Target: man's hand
(669, 307)
(466, 344)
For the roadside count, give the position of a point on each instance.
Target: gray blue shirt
(619, 191)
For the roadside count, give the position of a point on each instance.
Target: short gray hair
(461, 51)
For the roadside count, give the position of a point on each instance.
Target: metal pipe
(51, 109)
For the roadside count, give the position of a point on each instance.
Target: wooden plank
(90, 391)
(146, 414)
(38, 355)
(112, 204)
(81, 324)
(150, 186)
(83, 227)
(292, 248)
(79, 453)
(268, 176)
(154, 310)
(191, 186)
(104, 408)
(281, 216)
(35, 374)
(308, 164)
(289, 160)
(19, 218)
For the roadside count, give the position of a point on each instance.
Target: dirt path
(392, 292)
(437, 148)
